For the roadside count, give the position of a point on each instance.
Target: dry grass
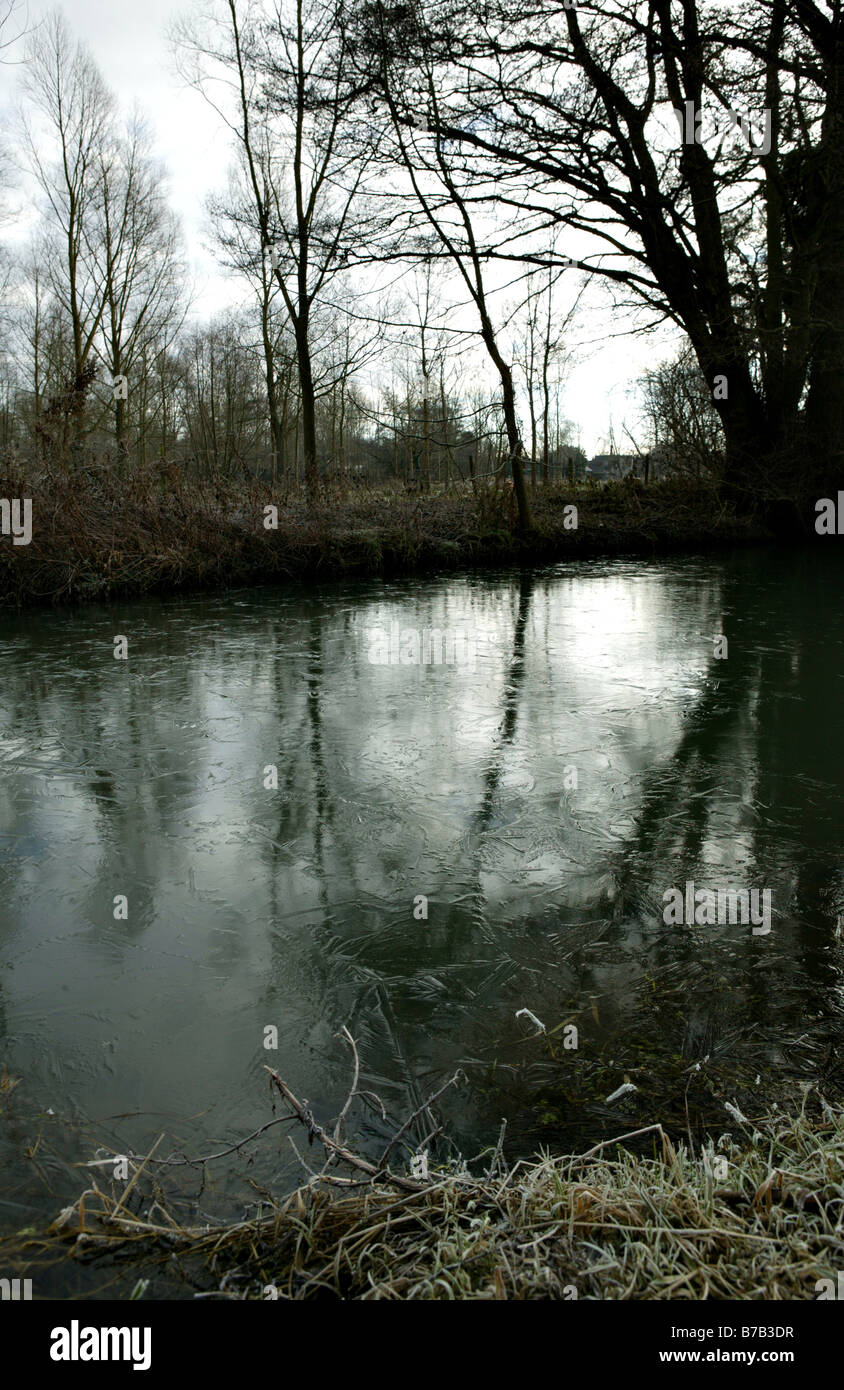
(100, 534)
(608, 1224)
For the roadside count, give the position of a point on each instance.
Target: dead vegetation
(102, 532)
(759, 1215)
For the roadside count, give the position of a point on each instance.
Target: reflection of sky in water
(293, 906)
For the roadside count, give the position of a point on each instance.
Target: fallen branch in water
(645, 1225)
(377, 1172)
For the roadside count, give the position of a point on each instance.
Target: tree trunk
(514, 439)
(825, 403)
(272, 390)
(308, 408)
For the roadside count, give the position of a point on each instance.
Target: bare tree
(237, 234)
(292, 97)
(683, 423)
(67, 90)
(542, 347)
(565, 116)
(445, 196)
(13, 28)
(136, 242)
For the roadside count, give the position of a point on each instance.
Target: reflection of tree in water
(766, 724)
(484, 816)
(457, 919)
(337, 989)
(323, 806)
(759, 748)
(309, 750)
(355, 971)
(512, 690)
(92, 726)
(756, 752)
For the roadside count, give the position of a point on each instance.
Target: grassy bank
(96, 535)
(761, 1216)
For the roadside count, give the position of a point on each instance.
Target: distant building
(604, 467)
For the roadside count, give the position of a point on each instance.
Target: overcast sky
(128, 39)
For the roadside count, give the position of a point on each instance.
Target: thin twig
(452, 1081)
(346, 1155)
(353, 1092)
(137, 1174)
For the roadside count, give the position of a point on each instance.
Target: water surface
(542, 798)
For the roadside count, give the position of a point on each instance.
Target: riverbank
(634, 1218)
(98, 536)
